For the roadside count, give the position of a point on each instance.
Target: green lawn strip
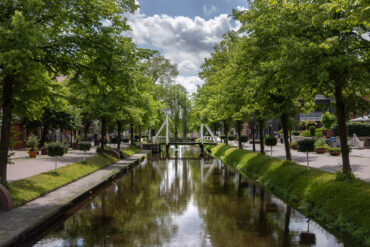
(27, 189)
(340, 205)
(127, 152)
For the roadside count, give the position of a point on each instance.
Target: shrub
(323, 147)
(327, 120)
(302, 125)
(243, 138)
(231, 138)
(279, 132)
(222, 137)
(293, 145)
(33, 142)
(78, 139)
(55, 149)
(295, 133)
(334, 150)
(306, 145)
(125, 140)
(320, 142)
(99, 151)
(310, 123)
(312, 130)
(270, 141)
(84, 146)
(306, 133)
(360, 129)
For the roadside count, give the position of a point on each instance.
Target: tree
(327, 120)
(40, 40)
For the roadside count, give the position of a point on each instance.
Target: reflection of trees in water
(234, 212)
(132, 212)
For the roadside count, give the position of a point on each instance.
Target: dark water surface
(185, 202)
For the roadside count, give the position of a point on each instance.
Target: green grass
(30, 188)
(340, 205)
(127, 152)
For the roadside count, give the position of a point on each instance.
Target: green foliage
(243, 139)
(78, 139)
(231, 138)
(270, 141)
(306, 145)
(30, 188)
(99, 150)
(302, 125)
(306, 133)
(323, 147)
(295, 133)
(334, 150)
(360, 129)
(55, 149)
(327, 120)
(315, 191)
(32, 142)
(84, 146)
(293, 145)
(312, 130)
(320, 142)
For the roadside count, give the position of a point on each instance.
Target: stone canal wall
(21, 222)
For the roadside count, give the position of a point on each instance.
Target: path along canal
(184, 202)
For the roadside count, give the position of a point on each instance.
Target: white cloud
(185, 41)
(208, 11)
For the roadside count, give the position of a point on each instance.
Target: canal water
(184, 201)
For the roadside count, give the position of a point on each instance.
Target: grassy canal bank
(342, 205)
(27, 189)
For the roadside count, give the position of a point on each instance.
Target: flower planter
(75, 145)
(335, 153)
(32, 154)
(320, 151)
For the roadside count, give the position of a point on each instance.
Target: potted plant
(334, 151)
(270, 141)
(43, 149)
(56, 150)
(306, 146)
(32, 142)
(294, 145)
(84, 146)
(321, 146)
(75, 144)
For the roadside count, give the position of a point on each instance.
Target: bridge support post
(201, 149)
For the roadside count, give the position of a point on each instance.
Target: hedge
(360, 129)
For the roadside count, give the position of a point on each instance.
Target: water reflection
(186, 202)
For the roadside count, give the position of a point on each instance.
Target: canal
(184, 201)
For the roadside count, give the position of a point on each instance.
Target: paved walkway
(24, 219)
(360, 159)
(25, 167)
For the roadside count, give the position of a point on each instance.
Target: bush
(295, 133)
(310, 123)
(293, 145)
(302, 125)
(312, 130)
(231, 138)
(222, 137)
(99, 151)
(306, 133)
(320, 142)
(327, 120)
(334, 150)
(270, 141)
(125, 140)
(84, 146)
(32, 142)
(55, 149)
(78, 139)
(243, 138)
(360, 129)
(323, 147)
(306, 146)
(280, 132)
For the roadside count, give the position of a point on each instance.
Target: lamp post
(253, 139)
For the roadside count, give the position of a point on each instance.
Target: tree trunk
(253, 139)
(261, 129)
(284, 123)
(86, 128)
(6, 127)
(43, 136)
(341, 117)
(103, 134)
(119, 137)
(226, 130)
(239, 130)
(132, 133)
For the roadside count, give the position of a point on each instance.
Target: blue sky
(183, 31)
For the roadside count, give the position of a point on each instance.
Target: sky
(184, 31)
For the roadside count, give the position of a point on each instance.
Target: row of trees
(285, 53)
(64, 64)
